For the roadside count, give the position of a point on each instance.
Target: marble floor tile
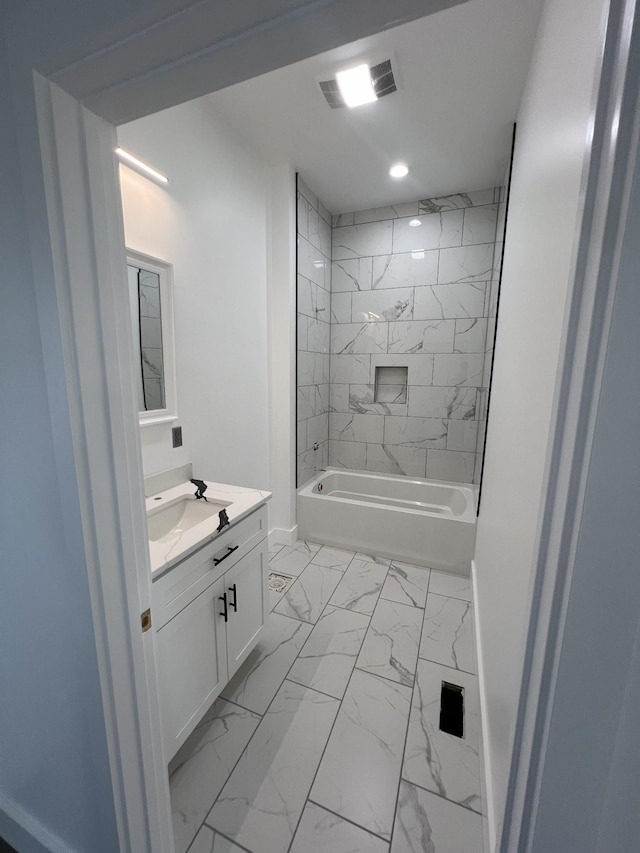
(428, 824)
(360, 586)
(258, 679)
(209, 841)
(439, 762)
(406, 584)
(261, 804)
(292, 559)
(329, 655)
(201, 767)
(372, 558)
(275, 548)
(321, 831)
(447, 633)
(334, 558)
(309, 593)
(444, 583)
(390, 648)
(359, 773)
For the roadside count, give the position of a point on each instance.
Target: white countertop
(176, 547)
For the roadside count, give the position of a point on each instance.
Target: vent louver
(383, 84)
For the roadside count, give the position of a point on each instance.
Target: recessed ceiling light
(414, 223)
(399, 170)
(356, 86)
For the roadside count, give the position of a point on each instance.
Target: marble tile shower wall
(314, 332)
(413, 286)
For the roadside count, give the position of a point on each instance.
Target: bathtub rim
(470, 491)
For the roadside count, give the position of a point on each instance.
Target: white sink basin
(181, 514)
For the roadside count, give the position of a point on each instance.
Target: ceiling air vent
(383, 84)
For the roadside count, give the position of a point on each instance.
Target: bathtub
(424, 522)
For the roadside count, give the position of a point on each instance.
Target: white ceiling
(460, 76)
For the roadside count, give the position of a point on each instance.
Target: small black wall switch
(176, 435)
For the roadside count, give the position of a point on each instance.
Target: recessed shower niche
(391, 384)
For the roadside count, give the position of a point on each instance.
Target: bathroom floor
(328, 738)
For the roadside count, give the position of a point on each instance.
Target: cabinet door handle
(223, 599)
(234, 603)
(228, 554)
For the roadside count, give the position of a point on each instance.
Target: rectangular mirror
(151, 301)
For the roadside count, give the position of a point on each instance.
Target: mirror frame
(164, 271)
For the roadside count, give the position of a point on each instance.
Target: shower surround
(413, 292)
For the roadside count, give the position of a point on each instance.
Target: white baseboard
(283, 536)
(490, 842)
(25, 832)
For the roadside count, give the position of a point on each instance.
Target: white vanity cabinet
(209, 611)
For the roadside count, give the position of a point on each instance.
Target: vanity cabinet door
(192, 663)
(246, 587)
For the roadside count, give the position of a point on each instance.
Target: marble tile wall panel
(341, 307)
(462, 435)
(427, 822)
(353, 427)
(390, 648)
(416, 432)
(321, 831)
(262, 802)
(382, 305)
(458, 369)
(436, 231)
(349, 368)
(328, 657)
(429, 336)
(351, 274)
(392, 211)
(361, 399)
(447, 633)
(480, 224)
(366, 744)
(396, 459)
(351, 455)
(201, 767)
(447, 403)
(449, 301)
(434, 760)
(450, 465)
(356, 241)
(411, 269)
(428, 293)
(471, 335)
(466, 264)
(313, 333)
(458, 200)
(357, 338)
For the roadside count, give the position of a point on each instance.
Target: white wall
(210, 222)
(552, 145)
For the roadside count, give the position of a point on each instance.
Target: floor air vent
(452, 709)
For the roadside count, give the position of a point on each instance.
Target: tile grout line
(332, 727)
(348, 820)
(204, 822)
(440, 797)
(406, 734)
